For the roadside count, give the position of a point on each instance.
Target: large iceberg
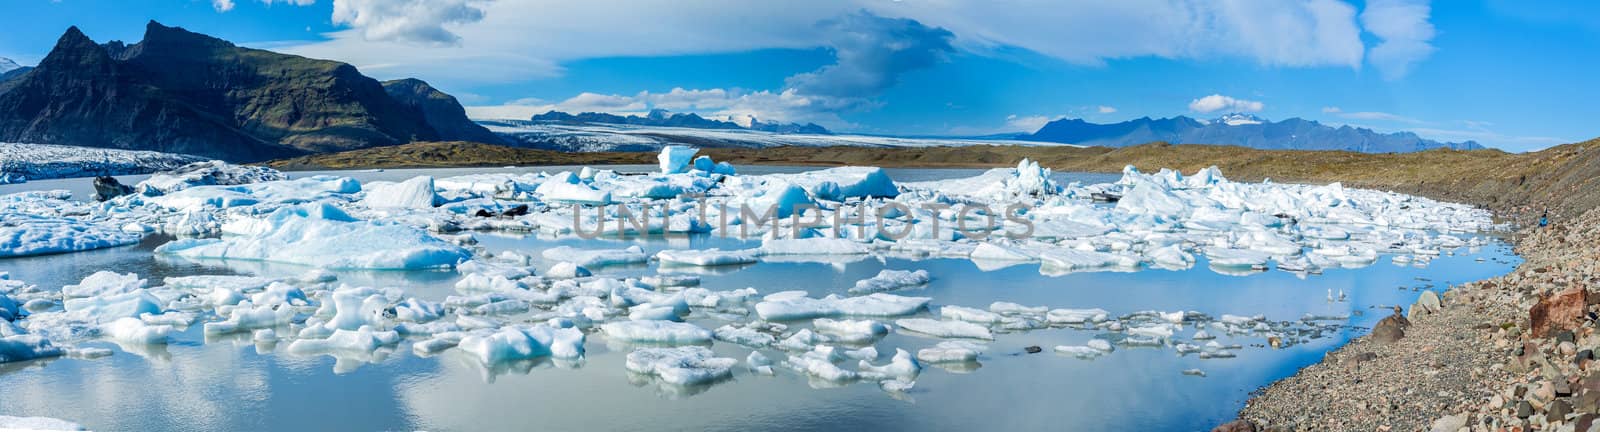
(334, 244)
(23, 235)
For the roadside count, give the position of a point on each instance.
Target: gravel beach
(1513, 353)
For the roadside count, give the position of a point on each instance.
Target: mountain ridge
(1237, 129)
(661, 117)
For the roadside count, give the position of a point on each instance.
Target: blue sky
(1517, 75)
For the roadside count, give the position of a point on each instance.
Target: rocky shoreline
(1512, 353)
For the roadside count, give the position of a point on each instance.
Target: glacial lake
(203, 383)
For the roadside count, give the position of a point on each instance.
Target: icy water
(199, 383)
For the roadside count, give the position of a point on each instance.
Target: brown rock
(1240, 425)
(1391, 328)
(1584, 422)
(1561, 311)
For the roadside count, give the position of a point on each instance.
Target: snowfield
(505, 308)
(611, 137)
(22, 162)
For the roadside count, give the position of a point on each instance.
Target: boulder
(1240, 425)
(1428, 302)
(107, 187)
(1449, 423)
(1391, 328)
(1562, 311)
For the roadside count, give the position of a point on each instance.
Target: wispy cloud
(1370, 115)
(1104, 109)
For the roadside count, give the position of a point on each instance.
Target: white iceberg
(328, 244)
(945, 329)
(890, 280)
(690, 365)
(872, 305)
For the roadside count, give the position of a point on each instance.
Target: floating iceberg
(851, 331)
(674, 159)
(690, 365)
(707, 257)
(872, 305)
(37, 423)
(945, 329)
(329, 244)
(890, 280)
(26, 347)
(596, 257)
(24, 235)
(951, 352)
(524, 342)
(418, 193)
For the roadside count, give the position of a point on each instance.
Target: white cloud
(416, 21)
(534, 35)
(1217, 102)
(222, 5)
(290, 2)
(1103, 109)
(1404, 31)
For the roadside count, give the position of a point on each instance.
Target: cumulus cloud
(222, 5)
(418, 21)
(1404, 31)
(871, 52)
(1106, 109)
(1217, 102)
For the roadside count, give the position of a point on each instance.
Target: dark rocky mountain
(441, 111)
(1238, 129)
(183, 92)
(660, 117)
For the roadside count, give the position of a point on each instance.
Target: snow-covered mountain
(661, 117)
(22, 162)
(587, 137)
(1237, 119)
(1238, 129)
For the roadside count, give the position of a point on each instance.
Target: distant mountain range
(183, 92)
(1237, 129)
(663, 118)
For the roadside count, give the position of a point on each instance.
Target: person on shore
(1544, 219)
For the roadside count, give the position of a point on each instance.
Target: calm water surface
(230, 383)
